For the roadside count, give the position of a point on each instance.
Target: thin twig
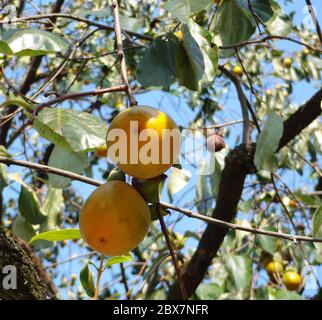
(173, 254)
(124, 280)
(77, 18)
(120, 52)
(73, 96)
(267, 38)
(99, 277)
(229, 225)
(314, 19)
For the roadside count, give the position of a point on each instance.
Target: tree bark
(29, 285)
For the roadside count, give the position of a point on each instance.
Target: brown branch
(233, 226)
(267, 38)
(315, 20)
(165, 232)
(73, 96)
(77, 18)
(238, 164)
(120, 52)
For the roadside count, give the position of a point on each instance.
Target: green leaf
(268, 243)
(82, 131)
(31, 42)
(57, 235)
(240, 270)
(149, 189)
(198, 5)
(87, 281)
(262, 8)
(118, 259)
(29, 206)
(4, 48)
(116, 174)
(280, 25)
(282, 294)
(232, 24)
(196, 57)
(317, 221)
(131, 24)
(3, 177)
(157, 67)
(267, 142)
(208, 49)
(209, 291)
(52, 206)
(183, 9)
(66, 159)
(22, 229)
(179, 8)
(178, 180)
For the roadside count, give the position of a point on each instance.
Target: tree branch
(77, 18)
(120, 52)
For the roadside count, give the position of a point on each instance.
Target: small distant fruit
(274, 267)
(292, 280)
(238, 71)
(292, 204)
(287, 62)
(179, 35)
(285, 94)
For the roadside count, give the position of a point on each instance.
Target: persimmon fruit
(114, 219)
(237, 71)
(143, 142)
(292, 280)
(287, 62)
(274, 267)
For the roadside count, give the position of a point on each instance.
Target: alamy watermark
(8, 277)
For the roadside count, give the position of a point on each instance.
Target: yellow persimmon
(114, 219)
(143, 142)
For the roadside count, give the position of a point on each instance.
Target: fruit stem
(99, 277)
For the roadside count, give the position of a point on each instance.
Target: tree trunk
(29, 285)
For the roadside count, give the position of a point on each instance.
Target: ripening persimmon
(143, 142)
(292, 280)
(114, 219)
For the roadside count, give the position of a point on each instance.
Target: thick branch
(238, 164)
